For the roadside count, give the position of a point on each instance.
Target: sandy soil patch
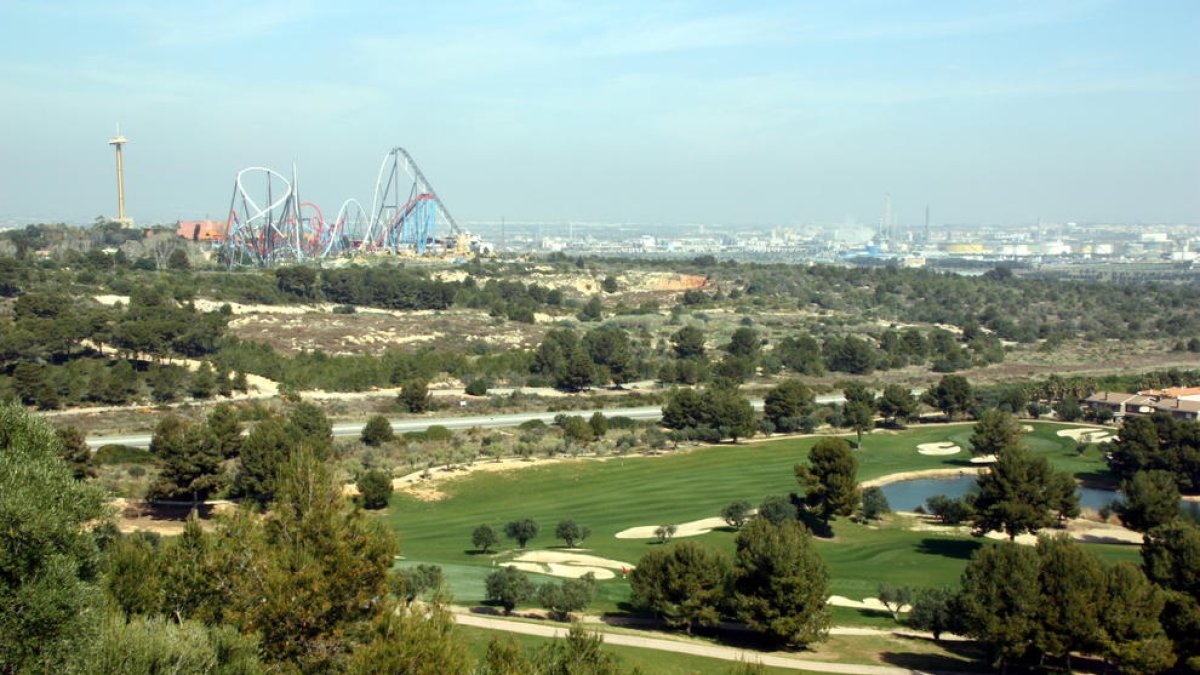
(865, 603)
(1088, 435)
(922, 525)
(565, 564)
(204, 305)
(689, 529)
(984, 459)
(1079, 529)
(923, 473)
(923, 522)
(165, 519)
(943, 448)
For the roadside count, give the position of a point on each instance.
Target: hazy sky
(652, 112)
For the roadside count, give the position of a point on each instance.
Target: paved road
(682, 647)
(344, 429)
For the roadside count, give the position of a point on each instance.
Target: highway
(405, 425)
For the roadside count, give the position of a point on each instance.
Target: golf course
(613, 494)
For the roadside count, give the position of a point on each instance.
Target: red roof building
(202, 230)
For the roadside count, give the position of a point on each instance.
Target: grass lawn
(905, 652)
(615, 494)
(646, 660)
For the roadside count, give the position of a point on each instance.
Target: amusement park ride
(269, 224)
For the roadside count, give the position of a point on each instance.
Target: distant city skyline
(761, 113)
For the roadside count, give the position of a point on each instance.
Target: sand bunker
(985, 459)
(570, 565)
(1026, 428)
(866, 603)
(695, 527)
(1088, 435)
(943, 448)
(1079, 529)
(922, 473)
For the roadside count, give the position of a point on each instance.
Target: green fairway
(615, 494)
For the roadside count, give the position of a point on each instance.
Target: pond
(907, 495)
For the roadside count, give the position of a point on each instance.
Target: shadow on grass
(489, 608)
(1100, 479)
(818, 527)
(728, 633)
(868, 615)
(477, 551)
(963, 463)
(962, 657)
(961, 549)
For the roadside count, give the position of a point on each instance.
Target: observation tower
(118, 141)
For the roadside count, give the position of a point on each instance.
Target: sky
(662, 112)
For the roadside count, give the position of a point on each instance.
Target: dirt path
(775, 659)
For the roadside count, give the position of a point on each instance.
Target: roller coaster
(269, 224)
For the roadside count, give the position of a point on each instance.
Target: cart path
(774, 660)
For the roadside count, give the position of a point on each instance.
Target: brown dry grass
(167, 520)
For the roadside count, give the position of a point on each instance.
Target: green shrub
(622, 422)
(532, 425)
(375, 489)
(122, 454)
(438, 434)
(377, 431)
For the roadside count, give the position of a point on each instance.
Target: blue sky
(774, 113)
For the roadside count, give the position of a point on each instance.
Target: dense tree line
(1038, 605)
(318, 369)
(715, 413)
(387, 287)
(1012, 307)
(59, 351)
(398, 288)
(1159, 443)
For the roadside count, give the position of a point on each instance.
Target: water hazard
(907, 495)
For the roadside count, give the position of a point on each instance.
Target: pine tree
(1073, 591)
(204, 382)
(414, 396)
(191, 460)
(1151, 499)
(999, 601)
(994, 433)
(787, 404)
(225, 423)
(830, 479)
(49, 560)
(1132, 635)
(780, 584)
(684, 584)
(1023, 493)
